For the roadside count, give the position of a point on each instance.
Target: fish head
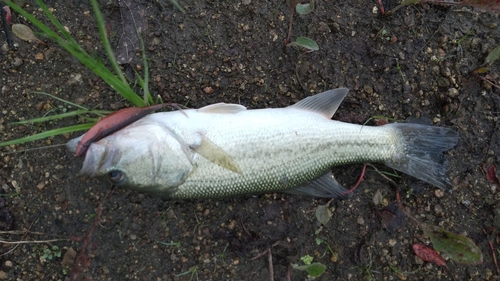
(146, 158)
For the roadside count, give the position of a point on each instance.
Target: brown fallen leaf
(25, 33)
(392, 217)
(68, 258)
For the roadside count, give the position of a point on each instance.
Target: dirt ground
(416, 65)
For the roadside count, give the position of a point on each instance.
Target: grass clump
(114, 77)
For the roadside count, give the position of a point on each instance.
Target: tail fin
(422, 152)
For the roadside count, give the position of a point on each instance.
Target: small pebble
(439, 193)
(17, 62)
(452, 92)
(39, 106)
(360, 221)
(208, 90)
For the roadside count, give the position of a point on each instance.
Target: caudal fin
(421, 152)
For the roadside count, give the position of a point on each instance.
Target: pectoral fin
(217, 155)
(324, 187)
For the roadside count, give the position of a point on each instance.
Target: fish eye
(115, 176)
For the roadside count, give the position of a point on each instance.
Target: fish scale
(225, 150)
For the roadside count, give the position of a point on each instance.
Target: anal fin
(324, 187)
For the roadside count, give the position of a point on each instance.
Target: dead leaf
(392, 217)
(68, 258)
(492, 56)
(323, 214)
(459, 248)
(491, 174)
(377, 198)
(428, 254)
(25, 33)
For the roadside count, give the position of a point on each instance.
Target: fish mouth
(97, 158)
(72, 144)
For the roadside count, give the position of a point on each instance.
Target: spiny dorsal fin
(229, 108)
(215, 154)
(325, 103)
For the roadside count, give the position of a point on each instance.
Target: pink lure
(112, 123)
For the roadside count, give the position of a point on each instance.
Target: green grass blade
(55, 22)
(105, 41)
(178, 6)
(63, 100)
(60, 116)
(75, 49)
(145, 87)
(46, 134)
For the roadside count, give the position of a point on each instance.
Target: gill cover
(145, 158)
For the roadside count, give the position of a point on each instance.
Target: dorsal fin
(229, 108)
(325, 103)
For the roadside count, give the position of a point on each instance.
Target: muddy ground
(416, 64)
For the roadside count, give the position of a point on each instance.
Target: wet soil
(416, 65)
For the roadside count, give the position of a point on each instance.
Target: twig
(492, 248)
(32, 242)
(476, 74)
(245, 229)
(17, 245)
(259, 255)
(76, 271)
(298, 79)
(357, 183)
(384, 176)
(26, 231)
(288, 274)
(270, 261)
(287, 40)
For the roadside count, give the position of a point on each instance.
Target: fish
(224, 150)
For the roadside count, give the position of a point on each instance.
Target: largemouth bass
(223, 150)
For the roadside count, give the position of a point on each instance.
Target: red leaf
(113, 123)
(428, 254)
(491, 174)
(8, 14)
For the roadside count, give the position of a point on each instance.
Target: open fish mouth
(72, 144)
(98, 158)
